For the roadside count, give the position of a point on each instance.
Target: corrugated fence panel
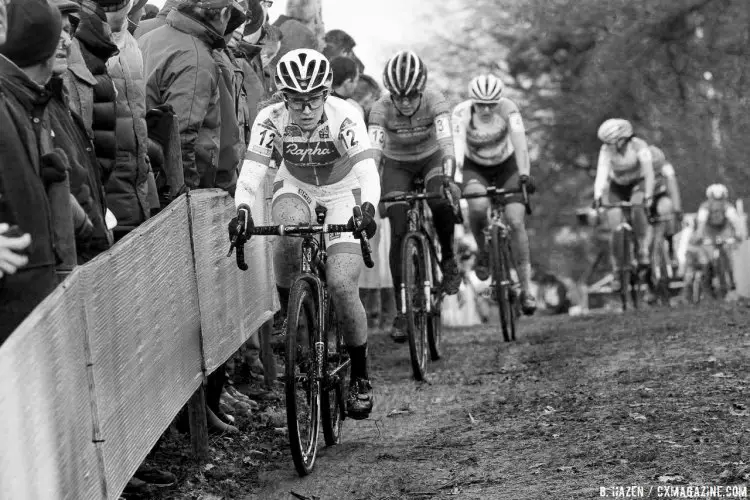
(144, 326)
(234, 304)
(46, 433)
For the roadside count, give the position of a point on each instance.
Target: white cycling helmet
(614, 129)
(486, 89)
(405, 73)
(303, 71)
(717, 192)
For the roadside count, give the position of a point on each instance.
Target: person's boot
(528, 303)
(216, 426)
(451, 276)
(398, 331)
(359, 402)
(155, 477)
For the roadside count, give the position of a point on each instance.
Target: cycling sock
(283, 297)
(358, 357)
(445, 227)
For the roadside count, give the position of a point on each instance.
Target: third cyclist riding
(491, 149)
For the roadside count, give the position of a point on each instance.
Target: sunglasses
(486, 105)
(267, 3)
(406, 99)
(300, 103)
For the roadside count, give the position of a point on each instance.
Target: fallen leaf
(743, 413)
(395, 412)
(548, 410)
(472, 419)
(208, 467)
(722, 375)
(535, 466)
(638, 417)
(739, 406)
(672, 479)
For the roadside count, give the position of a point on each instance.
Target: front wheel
(415, 278)
(302, 386)
(503, 284)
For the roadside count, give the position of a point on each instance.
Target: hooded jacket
(23, 200)
(181, 71)
(93, 35)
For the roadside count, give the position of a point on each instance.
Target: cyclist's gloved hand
(453, 188)
(528, 181)
(239, 225)
(368, 220)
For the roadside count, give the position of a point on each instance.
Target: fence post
(198, 424)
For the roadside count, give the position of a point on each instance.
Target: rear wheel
(302, 387)
(502, 281)
(336, 375)
(415, 275)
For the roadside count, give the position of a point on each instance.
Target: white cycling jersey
(339, 146)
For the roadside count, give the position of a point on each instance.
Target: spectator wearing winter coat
(147, 25)
(149, 12)
(367, 93)
(127, 186)
(97, 103)
(89, 206)
(181, 71)
(28, 160)
(247, 53)
(137, 12)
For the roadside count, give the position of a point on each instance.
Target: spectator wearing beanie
(29, 162)
(340, 43)
(181, 71)
(128, 184)
(96, 103)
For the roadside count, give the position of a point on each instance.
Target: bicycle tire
(624, 287)
(501, 279)
(660, 272)
(513, 287)
(414, 275)
(696, 287)
(302, 308)
(334, 393)
(435, 323)
(622, 254)
(722, 271)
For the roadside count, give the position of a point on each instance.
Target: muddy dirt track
(657, 398)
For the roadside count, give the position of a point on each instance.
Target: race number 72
(266, 138)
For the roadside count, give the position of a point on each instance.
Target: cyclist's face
(306, 111)
(407, 105)
(484, 111)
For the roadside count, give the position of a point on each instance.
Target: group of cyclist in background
(330, 157)
(631, 170)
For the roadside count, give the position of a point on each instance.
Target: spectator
(26, 150)
(94, 99)
(181, 71)
(295, 33)
(345, 80)
(149, 12)
(157, 21)
(137, 12)
(340, 43)
(128, 184)
(88, 202)
(12, 251)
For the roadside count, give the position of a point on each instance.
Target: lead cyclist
(491, 149)
(326, 160)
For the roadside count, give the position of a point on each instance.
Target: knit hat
(255, 17)
(112, 5)
(65, 6)
(34, 29)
